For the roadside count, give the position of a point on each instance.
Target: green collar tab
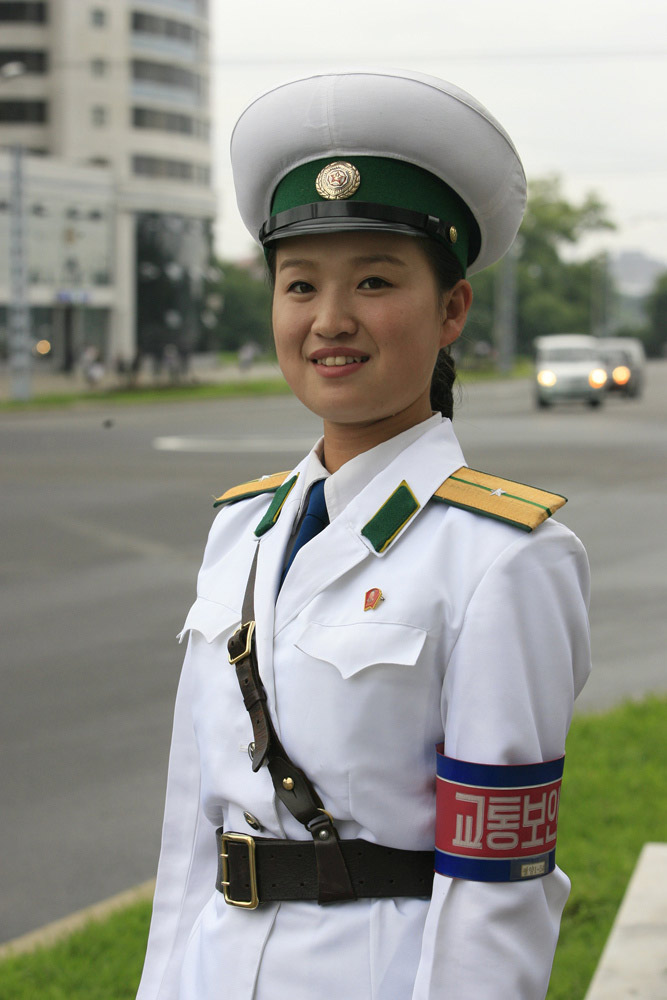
(389, 182)
(275, 506)
(392, 516)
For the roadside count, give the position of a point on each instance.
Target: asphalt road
(105, 513)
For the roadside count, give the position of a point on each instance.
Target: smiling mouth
(339, 360)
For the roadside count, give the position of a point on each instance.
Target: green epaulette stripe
(523, 525)
(512, 496)
(275, 506)
(392, 516)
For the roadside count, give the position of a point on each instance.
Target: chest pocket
(210, 619)
(358, 645)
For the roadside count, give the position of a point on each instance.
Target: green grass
(523, 368)
(101, 962)
(613, 802)
(151, 394)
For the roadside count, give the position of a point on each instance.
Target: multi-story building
(111, 107)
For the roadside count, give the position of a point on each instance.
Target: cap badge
(337, 181)
(372, 599)
(453, 235)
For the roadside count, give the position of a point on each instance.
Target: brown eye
(374, 283)
(300, 287)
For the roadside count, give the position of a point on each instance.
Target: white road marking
(228, 445)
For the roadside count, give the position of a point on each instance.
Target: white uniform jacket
(481, 640)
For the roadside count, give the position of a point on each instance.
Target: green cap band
(392, 183)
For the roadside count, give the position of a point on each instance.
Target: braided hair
(447, 271)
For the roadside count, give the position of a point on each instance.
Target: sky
(581, 87)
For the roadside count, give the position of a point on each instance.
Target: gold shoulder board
(515, 503)
(266, 484)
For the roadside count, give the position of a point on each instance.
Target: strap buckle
(239, 838)
(250, 626)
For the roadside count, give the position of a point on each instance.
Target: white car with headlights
(569, 366)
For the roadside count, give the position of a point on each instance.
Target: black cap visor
(334, 216)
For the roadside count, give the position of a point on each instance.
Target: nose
(334, 316)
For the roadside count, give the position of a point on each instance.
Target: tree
(655, 339)
(553, 295)
(244, 315)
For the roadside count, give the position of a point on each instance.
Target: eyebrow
(376, 258)
(294, 262)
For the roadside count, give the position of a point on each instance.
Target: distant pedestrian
(91, 366)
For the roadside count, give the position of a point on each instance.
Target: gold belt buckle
(239, 838)
(248, 642)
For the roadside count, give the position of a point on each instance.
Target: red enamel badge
(372, 599)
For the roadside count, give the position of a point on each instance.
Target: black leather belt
(253, 870)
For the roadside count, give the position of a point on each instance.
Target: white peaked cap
(396, 114)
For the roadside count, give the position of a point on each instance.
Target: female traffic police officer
(432, 604)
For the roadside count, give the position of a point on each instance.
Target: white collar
(347, 482)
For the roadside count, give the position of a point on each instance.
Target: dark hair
(446, 271)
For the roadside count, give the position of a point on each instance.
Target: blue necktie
(314, 520)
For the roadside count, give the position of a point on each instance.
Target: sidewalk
(204, 368)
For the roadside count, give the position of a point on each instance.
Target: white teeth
(337, 361)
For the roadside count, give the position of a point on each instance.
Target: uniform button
(252, 821)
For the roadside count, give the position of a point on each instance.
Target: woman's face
(358, 321)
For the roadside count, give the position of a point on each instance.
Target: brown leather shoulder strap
(292, 785)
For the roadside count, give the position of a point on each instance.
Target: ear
(456, 303)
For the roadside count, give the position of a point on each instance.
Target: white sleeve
(520, 659)
(187, 857)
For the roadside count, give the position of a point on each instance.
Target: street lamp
(19, 308)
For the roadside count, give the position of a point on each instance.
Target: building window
(155, 166)
(171, 121)
(98, 115)
(164, 121)
(165, 73)
(176, 170)
(164, 27)
(33, 13)
(33, 61)
(23, 111)
(99, 67)
(98, 17)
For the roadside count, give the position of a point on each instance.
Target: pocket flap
(210, 619)
(353, 647)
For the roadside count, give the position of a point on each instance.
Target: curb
(46, 936)
(633, 965)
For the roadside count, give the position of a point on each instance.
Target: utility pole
(600, 295)
(504, 318)
(19, 309)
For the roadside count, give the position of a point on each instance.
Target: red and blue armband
(496, 823)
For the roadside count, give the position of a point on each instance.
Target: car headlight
(621, 375)
(597, 378)
(546, 378)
